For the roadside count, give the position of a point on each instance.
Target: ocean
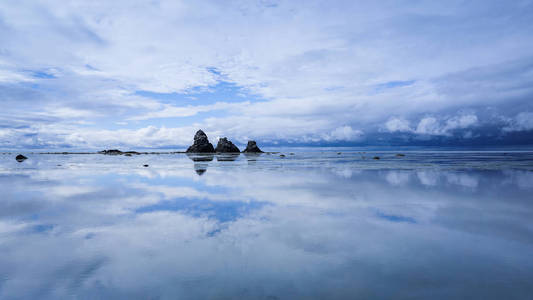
(297, 223)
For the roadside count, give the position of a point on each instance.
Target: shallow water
(313, 225)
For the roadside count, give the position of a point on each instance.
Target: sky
(148, 74)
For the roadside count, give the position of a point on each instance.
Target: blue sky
(100, 74)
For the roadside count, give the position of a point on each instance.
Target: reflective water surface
(311, 225)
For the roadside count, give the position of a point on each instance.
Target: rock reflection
(200, 156)
(252, 156)
(227, 156)
(200, 168)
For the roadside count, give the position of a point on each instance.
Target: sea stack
(252, 148)
(226, 146)
(201, 144)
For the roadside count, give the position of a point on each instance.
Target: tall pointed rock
(201, 144)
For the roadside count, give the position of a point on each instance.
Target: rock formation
(201, 144)
(252, 148)
(226, 146)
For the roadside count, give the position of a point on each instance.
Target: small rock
(282, 155)
(21, 158)
(146, 166)
(339, 153)
(376, 157)
(127, 154)
(291, 153)
(400, 155)
(252, 147)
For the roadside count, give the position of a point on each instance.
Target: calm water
(313, 225)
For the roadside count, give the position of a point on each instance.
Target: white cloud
(460, 122)
(428, 125)
(522, 121)
(344, 133)
(317, 80)
(432, 126)
(170, 111)
(397, 125)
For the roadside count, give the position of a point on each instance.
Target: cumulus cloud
(431, 126)
(344, 133)
(397, 125)
(522, 121)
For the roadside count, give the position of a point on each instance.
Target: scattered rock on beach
(111, 152)
(226, 146)
(201, 144)
(21, 158)
(117, 152)
(252, 148)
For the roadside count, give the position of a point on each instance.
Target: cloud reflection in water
(104, 227)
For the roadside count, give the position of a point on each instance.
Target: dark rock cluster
(111, 152)
(226, 146)
(201, 144)
(252, 148)
(117, 152)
